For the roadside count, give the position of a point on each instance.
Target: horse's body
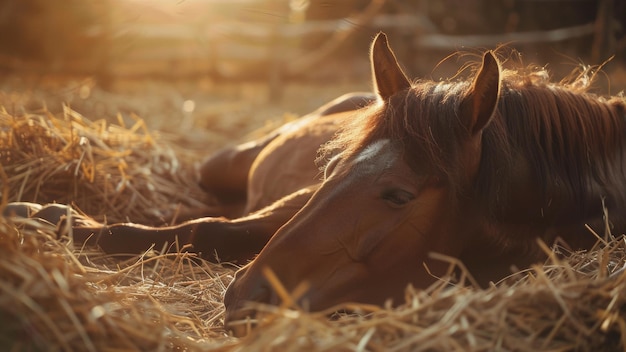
(253, 175)
(473, 170)
(261, 184)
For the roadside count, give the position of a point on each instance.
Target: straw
(54, 296)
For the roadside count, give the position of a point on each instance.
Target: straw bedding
(105, 169)
(54, 296)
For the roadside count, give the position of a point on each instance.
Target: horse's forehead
(376, 157)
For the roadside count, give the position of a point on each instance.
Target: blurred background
(213, 71)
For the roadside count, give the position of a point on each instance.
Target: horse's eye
(397, 197)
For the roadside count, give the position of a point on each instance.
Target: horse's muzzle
(239, 299)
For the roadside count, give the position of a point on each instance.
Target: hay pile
(106, 170)
(57, 297)
(578, 304)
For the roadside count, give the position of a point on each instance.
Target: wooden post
(604, 33)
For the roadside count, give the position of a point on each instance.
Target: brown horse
(474, 170)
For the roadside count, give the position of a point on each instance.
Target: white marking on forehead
(371, 161)
(376, 157)
(371, 150)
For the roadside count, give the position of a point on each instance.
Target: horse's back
(287, 164)
(227, 173)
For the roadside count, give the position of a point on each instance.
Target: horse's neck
(527, 206)
(580, 164)
(510, 209)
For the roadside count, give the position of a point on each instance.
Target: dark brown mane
(574, 140)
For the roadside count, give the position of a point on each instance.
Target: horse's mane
(572, 138)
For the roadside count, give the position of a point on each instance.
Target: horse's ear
(481, 100)
(388, 76)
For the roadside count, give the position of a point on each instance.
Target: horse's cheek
(365, 242)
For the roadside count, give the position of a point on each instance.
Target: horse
(481, 170)
(354, 198)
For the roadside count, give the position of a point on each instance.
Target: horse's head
(391, 194)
